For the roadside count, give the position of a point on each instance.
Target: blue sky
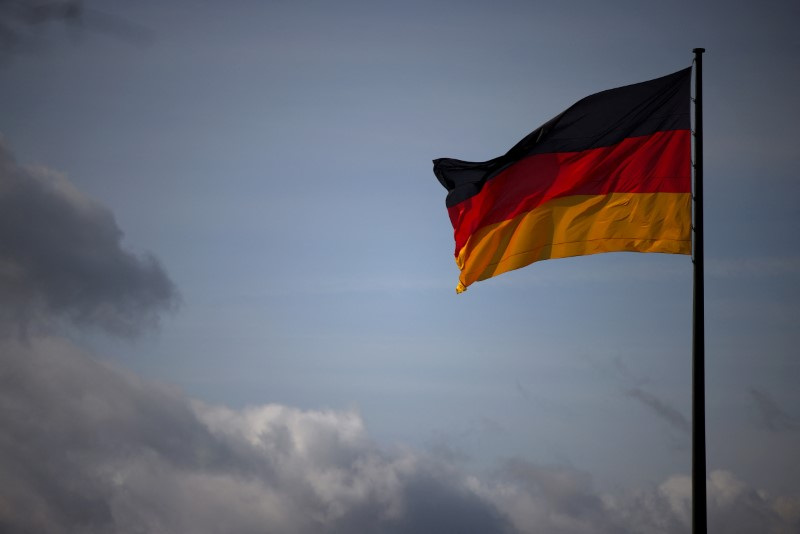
(275, 157)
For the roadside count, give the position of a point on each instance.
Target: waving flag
(610, 174)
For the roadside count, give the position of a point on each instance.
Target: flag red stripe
(656, 163)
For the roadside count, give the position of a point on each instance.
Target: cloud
(21, 21)
(24, 24)
(61, 257)
(87, 448)
(550, 499)
(661, 409)
(90, 448)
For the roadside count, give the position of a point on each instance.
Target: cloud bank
(89, 448)
(61, 258)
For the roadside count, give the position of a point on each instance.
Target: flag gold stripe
(579, 225)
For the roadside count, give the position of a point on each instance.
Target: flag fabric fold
(612, 173)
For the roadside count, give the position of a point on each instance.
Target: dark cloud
(88, 448)
(25, 24)
(661, 409)
(61, 257)
(772, 416)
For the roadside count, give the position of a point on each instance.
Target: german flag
(610, 174)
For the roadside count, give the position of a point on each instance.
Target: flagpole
(699, 502)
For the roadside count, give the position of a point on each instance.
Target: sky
(227, 289)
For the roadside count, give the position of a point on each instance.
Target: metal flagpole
(699, 512)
